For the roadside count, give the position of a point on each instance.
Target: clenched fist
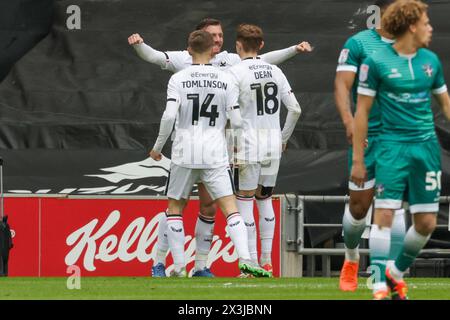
(135, 39)
(155, 155)
(304, 47)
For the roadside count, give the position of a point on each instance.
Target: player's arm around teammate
(162, 59)
(177, 60)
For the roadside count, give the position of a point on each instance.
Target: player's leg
(266, 184)
(354, 219)
(424, 192)
(162, 247)
(398, 231)
(416, 238)
(179, 187)
(219, 184)
(162, 244)
(379, 245)
(247, 184)
(204, 232)
(392, 172)
(175, 236)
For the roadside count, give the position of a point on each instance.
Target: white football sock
(175, 234)
(238, 234)
(245, 207)
(266, 228)
(204, 232)
(162, 244)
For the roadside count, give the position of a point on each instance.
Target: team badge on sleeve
(343, 56)
(363, 72)
(428, 69)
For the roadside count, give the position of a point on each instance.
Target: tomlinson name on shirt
(204, 84)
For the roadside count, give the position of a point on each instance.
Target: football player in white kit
(175, 61)
(262, 87)
(200, 99)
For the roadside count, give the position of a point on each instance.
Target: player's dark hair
(207, 22)
(402, 14)
(200, 41)
(250, 36)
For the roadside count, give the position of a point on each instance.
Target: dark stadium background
(75, 101)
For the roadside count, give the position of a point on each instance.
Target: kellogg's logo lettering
(86, 245)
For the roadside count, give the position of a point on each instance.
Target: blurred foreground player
(401, 78)
(355, 51)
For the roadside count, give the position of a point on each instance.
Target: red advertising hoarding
(108, 237)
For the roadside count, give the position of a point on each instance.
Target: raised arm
(146, 52)
(279, 56)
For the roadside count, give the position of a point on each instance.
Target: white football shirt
(262, 88)
(205, 94)
(179, 60)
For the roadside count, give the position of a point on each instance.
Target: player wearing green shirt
(402, 79)
(356, 49)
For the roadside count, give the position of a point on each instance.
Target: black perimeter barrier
(73, 102)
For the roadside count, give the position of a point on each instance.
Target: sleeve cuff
(367, 92)
(440, 90)
(156, 148)
(347, 68)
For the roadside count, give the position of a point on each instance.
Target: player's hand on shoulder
(155, 155)
(135, 39)
(304, 46)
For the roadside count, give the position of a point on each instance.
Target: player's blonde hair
(250, 36)
(200, 41)
(402, 14)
